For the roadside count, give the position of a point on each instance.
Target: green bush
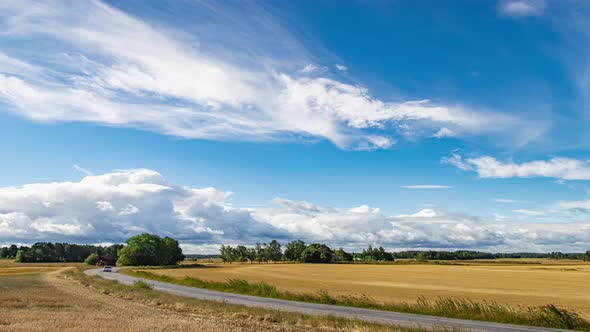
(92, 259)
(141, 285)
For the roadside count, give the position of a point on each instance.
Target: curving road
(377, 316)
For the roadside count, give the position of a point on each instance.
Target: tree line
(320, 253)
(57, 252)
(139, 250)
(298, 251)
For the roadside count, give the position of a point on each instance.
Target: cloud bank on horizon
(108, 67)
(111, 207)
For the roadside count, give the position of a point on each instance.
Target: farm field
(564, 285)
(50, 297)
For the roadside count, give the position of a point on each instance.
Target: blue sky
(408, 124)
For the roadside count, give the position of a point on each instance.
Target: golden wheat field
(567, 286)
(50, 297)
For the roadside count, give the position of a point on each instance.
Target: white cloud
(113, 206)
(107, 67)
(583, 205)
(444, 132)
(341, 67)
(426, 186)
(489, 167)
(424, 213)
(509, 201)
(522, 8)
(309, 68)
(98, 209)
(529, 212)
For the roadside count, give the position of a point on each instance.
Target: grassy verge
(142, 292)
(545, 316)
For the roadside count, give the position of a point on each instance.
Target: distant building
(103, 260)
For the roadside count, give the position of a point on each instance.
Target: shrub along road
(377, 316)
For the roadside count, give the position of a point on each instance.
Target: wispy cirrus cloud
(490, 167)
(81, 170)
(509, 201)
(426, 186)
(108, 67)
(583, 205)
(521, 8)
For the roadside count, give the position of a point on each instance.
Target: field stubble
(516, 285)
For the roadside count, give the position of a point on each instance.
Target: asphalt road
(377, 316)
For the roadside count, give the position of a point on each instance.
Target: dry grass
(515, 285)
(10, 263)
(70, 301)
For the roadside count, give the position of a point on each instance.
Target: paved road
(378, 316)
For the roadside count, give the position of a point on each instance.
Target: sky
(403, 124)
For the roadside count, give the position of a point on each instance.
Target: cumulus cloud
(426, 186)
(522, 8)
(444, 132)
(489, 167)
(105, 66)
(110, 207)
(113, 206)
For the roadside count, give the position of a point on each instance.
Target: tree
(341, 256)
(587, 256)
(251, 254)
(226, 253)
(112, 251)
(261, 252)
(317, 253)
(12, 250)
(170, 252)
(421, 257)
(294, 249)
(92, 259)
(4, 252)
(149, 249)
(240, 253)
(273, 251)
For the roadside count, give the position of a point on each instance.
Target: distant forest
(57, 252)
(321, 253)
(273, 251)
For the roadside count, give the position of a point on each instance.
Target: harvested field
(565, 286)
(67, 300)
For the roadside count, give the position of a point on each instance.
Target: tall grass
(545, 316)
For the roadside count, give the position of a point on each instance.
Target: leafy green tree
(92, 259)
(341, 256)
(23, 255)
(112, 251)
(227, 254)
(251, 254)
(170, 252)
(149, 249)
(421, 257)
(317, 253)
(587, 256)
(12, 250)
(273, 251)
(261, 252)
(4, 252)
(294, 249)
(240, 253)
